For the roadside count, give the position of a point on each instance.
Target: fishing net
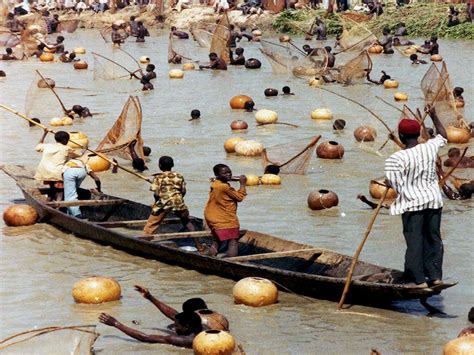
(354, 71)
(41, 102)
(355, 36)
(438, 91)
(291, 158)
(8, 39)
(105, 33)
(125, 131)
(220, 43)
(289, 59)
(77, 340)
(119, 66)
(202, 37)
(178, 48)
(68, 26)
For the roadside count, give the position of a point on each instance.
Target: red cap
(408, 126)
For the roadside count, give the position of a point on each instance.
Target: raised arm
(430, 110)
(45, 132)
(168, 311)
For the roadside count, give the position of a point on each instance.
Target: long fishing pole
(118, 64)
(78, 144)
(66, 112)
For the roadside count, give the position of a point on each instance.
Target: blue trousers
(73, 178)
(424, 255)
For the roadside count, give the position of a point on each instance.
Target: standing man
(412, 173)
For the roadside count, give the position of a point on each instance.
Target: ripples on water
(39, 264)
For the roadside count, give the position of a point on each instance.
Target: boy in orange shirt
(221, 210)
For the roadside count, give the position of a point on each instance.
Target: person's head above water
(150, 67)
(59, 39)
(77, 109)
(195, 114)
(458, 91)
(9, 51)
(173, 28)
(433, 39)
(213, 56)
(249, 106)
(272, 169)
(61, 137)
(139, 164)
(165, 163)
(146, 150)
(454, 152)
(239, 51)
(396, 41)
(187, 323)
(413, 57)
(194, 304)
(286, 90)
(328, 49)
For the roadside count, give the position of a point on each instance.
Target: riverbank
(421, 19)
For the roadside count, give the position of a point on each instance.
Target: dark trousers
(424, 255)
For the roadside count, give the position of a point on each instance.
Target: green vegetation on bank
(421, 19)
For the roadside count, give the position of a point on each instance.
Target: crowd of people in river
(413, 172)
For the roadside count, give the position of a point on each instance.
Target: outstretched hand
(430, 109)
(143, 290)
(107, 319)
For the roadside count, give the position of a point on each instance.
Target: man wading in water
(412, 173)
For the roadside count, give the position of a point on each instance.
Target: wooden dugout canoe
(301, 268)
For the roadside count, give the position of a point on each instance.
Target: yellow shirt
(52, 161)
(221, 208)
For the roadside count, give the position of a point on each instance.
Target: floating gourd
(255, 292)
(189, 66)
(252, 180)
(460, 346)
(46, 57)
(67, 121)
(266, 116)
(96, 289)
(176, 74)
(375, 49)
(284, 38)
(213, 320)
(238, 125)
(81, 65)
(20, 215)
(330, 150)
(78, 137)
(321, 114)
(365, 134)
(458, 135)
(270, 179)
(43, 83)
(144, 59)
(229, 144)
(271, 92)
(315, 82)
(56, 121)
(213, 342)
(98, 164)
(436, 58)
(400, 96)
(249, 148)
(238, 102)
(390, 84)
(322, 199)
(79, 50)
(377, 189)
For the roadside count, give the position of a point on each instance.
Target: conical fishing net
(8, 39)
(41, 102)
(355, 70)
(291, 158)
(119, 66)
(220, 43)
(355, 36)
(438, 91)
(68, 26)
(125, 131)
(77, 340)
(178, 48)
(202, 37)
(289, 59)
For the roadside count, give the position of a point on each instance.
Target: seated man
(216, 63)
(186, 326)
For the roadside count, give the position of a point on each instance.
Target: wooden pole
(72, 141)
(445, 177)
(359, 250)
(66, 112)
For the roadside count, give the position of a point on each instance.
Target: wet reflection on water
(39, 264)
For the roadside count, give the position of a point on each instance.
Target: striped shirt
(412, 173)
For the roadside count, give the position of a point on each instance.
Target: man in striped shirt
(412, 173)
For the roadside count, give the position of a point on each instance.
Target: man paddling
(412, 174)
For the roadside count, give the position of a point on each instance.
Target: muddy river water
(39, 264)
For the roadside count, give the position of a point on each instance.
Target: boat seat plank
(276, 254)
(86, 203)
(134, 223)
(160, 237)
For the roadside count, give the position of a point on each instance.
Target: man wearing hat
(412, 173)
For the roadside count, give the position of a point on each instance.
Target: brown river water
(39, 264)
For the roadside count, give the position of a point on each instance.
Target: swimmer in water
(414, 60)
(454, 154)
(179, 34)
(216, 63)
(8, 55)
(286, 90)
(195, 115)
(240, 59)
